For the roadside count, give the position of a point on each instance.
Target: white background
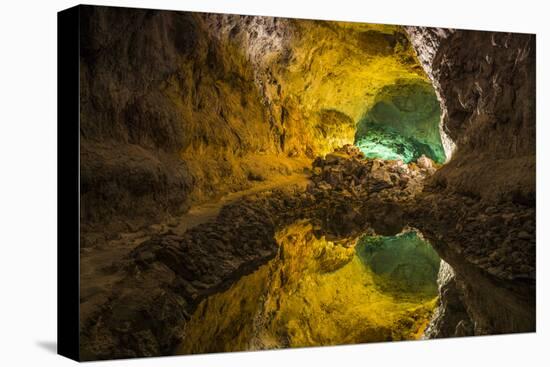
(28, 183)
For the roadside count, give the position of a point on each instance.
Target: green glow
(403, 123)
(386, 143)
(406, 263)
(317, 292)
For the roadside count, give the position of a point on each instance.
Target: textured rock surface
(479, 208)
(178, 108)
(174, 113)
(347, 171)
(487, 93)
(450, 319)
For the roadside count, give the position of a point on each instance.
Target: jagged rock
(208, 120)
(209, 98)
(476, 205)
(426, 163)
(347, 170)
(450, 318)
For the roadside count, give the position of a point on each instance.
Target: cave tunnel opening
(402, 124)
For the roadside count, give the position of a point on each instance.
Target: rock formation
(203, 136)
(481, 204)
(450, 319)
(179, 108)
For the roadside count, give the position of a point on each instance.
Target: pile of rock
(347, 171)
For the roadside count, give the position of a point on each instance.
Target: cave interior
(254, 182)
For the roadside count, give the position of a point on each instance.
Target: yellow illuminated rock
(315, 292)
(295, 91)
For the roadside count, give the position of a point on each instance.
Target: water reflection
(318, 292)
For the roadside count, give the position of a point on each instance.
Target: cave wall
(178, 108)
(318, 78)
(478, 210)
(486, 85)
(154, 91)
